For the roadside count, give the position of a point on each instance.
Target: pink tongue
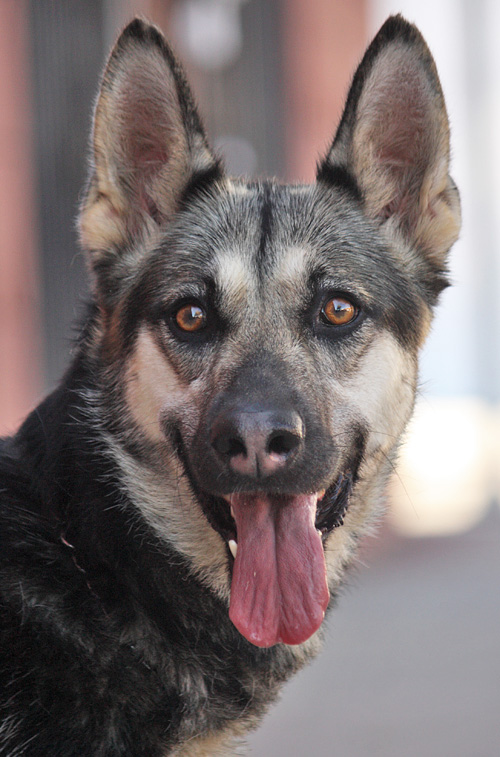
(279, 591)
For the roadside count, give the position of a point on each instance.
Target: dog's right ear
(392, 147)
(148, 143)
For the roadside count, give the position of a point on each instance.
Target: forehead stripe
(265, 224)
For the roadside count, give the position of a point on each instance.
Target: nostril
(282, 442)
(229, 446)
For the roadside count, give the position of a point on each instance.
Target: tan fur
(438, 228)
(382, 390)
(380, 143)
(152, 386)
(233, 278)
(111, 212)
(381, 393)
(225, 744)
(163, 494)
(399, 151)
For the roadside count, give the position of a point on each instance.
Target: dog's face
(261, 341)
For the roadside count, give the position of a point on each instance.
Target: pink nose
(257, 444)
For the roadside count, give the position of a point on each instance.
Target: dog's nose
(257, 443)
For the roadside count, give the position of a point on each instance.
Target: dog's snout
(257, 444)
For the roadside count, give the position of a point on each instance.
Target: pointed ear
(148, 142)
(392, 144)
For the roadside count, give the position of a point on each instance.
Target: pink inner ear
(144, 162)
(146, 113)
(404, 116)
(144, 129)
(145, 145)
(401, 128)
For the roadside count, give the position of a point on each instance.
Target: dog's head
(260, 341)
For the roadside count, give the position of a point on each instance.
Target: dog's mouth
(279, 589)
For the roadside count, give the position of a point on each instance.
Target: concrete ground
(411, 665)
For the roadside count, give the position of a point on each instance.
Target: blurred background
(412, 659)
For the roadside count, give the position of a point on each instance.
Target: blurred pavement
(411, 665)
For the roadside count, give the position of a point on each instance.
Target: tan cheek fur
(380, 394)
(220, 745)
(164, 495)
(152, 386)
(382, 390)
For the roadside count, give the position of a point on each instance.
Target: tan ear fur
(146, 142)
(400, 152)
(394, 140)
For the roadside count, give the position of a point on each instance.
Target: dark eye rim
(200, 335)
(324, 327)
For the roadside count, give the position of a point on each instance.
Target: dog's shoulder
(40, 582)
(82, 648)
(63, 661)
(24, 533)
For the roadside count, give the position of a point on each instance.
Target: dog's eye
(338, 311)
(190, 318)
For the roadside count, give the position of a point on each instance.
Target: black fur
(78, 568)
(200, 182)
(339, 177)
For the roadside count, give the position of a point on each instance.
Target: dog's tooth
(321, 494)
(233, 547)
(232, 512)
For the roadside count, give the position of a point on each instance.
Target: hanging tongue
(279, 591)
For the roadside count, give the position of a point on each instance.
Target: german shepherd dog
(177, 516)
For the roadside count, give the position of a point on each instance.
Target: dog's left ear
(148, 143)
(392, 145)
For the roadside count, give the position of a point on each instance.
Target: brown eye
(339, 311)
(191, 318)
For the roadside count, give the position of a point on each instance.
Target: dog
(178, 514)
